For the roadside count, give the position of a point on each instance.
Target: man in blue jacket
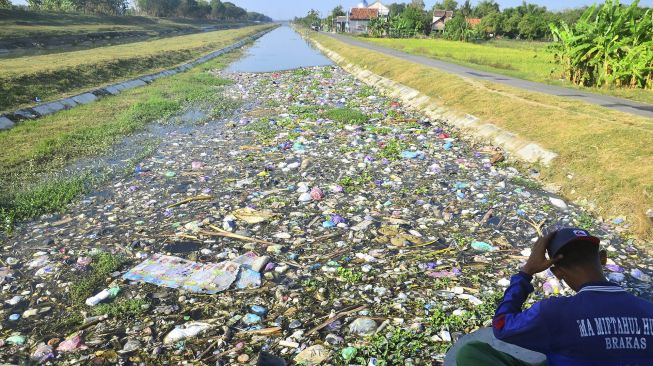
(602, 325)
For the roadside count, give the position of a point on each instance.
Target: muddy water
(281, 49)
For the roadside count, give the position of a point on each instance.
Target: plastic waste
(363, 326)
(108, 293)
(71, 344)
(349, 353)
(16, 339)
(188, 330)
(483, 246)
(42, 353)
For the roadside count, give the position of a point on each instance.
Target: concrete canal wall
(10, 120)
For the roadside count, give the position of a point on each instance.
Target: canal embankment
(603, 157)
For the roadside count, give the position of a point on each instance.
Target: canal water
(281, 49)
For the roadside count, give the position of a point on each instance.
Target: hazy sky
(287, 9)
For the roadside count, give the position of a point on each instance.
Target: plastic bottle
(102, 295)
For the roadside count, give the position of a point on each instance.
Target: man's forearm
(514, 297)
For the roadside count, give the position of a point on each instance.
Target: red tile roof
(363, 14)
(473, 21)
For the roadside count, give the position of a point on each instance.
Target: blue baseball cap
(568, 235)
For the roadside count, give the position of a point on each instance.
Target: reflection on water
(281, 49)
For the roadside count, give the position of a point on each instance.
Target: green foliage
(358, 182)
(413, 20)
(608, 46)
(50, 196)
(585, 221)
(5, 4)
(378, 130)
(468, 320)
(122, 308)
(312, 19)
(527, 183)
(85, 286)
(216, 9)
(346, 115)
(485, 8)
(349, 275)
(393, 348)
(99, 7)
(458, 29)
(392, 149)
(378, 27)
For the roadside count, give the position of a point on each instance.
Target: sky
(288, 9)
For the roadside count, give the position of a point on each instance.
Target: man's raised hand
(538, 262)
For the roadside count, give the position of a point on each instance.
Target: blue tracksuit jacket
(602, 325)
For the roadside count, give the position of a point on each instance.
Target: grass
(122, 308)
(346, 115)
(101, 268)
(16, 23)
(89, 284)
(394, 348)
(608, 153)
(35, 151)
(522, 59)
(392, 149)
(56, 75)
(526, 183)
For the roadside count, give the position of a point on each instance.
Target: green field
(22, 23)
(522, 59)
(604, 155)
(54, 76)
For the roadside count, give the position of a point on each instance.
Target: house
(340, 24)
(474, 22)
(440, 18)
(359, 19)
(384, 11)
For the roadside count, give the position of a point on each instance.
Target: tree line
(526, 21)
(201, 9)
(607, 45)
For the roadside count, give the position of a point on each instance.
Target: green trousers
(479, 353)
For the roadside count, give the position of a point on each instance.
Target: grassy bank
(521, 59)
(605, 157)
(15, 23)
(34, 152)
(56, 75)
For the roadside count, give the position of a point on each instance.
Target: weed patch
(392, 149)
(346, 115)
(101, 268)
(526, 183)
(45, 197)
(122, 308)
(394, 348)
(349, 275)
